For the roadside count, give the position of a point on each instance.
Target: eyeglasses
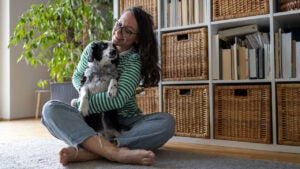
(125, 31)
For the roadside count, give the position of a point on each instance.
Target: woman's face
(125, 32)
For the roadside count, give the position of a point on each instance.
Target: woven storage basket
(150, 6)
(190, 107)
(184, 55)
(243, 113)
(228, 9)
(288, 110)
(289, 5)
(148, 99)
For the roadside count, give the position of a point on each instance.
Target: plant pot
(63, 92)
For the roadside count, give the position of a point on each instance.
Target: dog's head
(103, 52)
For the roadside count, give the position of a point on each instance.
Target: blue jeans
(147, 132)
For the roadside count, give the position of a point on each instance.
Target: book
(252, 64)
(191, 12)
(215, 58)
(234, 55)
(243, 63)
(293, 59)
(179, 13)
(298, 59)
(276, 49)
(267, 60)
(286, 55)
(218, 43)
(261, 63)
(185, 14)
(226, 64)
(237, 31)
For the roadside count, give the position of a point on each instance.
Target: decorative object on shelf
(243, 113)
(229, 9)
(148, 6)
(54, 34)
(148, 99)
(289, 5)
(184, 55)
(288, 110)
(190, 107)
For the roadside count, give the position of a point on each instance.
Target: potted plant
(54, 34)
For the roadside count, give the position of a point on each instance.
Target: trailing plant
(54, 34)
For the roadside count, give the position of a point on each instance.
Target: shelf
(267, 23)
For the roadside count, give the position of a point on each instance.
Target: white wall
(4, 60)
(17, 80)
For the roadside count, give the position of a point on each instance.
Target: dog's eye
(103, 46)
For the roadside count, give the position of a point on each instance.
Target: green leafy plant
(54, 34)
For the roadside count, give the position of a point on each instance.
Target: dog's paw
(83, 109)
(112, 89)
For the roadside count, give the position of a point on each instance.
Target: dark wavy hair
(146, 47)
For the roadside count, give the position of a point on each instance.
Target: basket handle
(240, 92)
(184, 92)
(182, 37)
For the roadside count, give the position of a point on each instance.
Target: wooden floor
(32, 128)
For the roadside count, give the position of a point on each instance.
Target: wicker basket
(190, 107)
(149, 6)
(288, 110)
(243, 113)
(148, 99)
(228, 9)
(184, 55)
(289, 5)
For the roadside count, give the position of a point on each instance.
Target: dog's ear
(92, 52)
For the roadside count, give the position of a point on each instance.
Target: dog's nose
(113, 52)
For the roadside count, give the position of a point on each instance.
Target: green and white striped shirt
(129, 71)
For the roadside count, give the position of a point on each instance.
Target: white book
(215, 58)
(185, 12)
(197, 11)
(173, 13)
(298, 59)
(286, 49)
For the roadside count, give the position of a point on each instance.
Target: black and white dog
(100, 76)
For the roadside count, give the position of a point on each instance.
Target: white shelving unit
(271, 22)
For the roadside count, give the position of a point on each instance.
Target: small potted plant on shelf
(55, 33)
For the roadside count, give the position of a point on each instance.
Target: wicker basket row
(241, 112)
(184, 55)
(289, 5)
(148, 99)
(228, 9)
(288, 108)
(148, 6)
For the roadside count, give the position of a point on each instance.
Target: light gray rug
(42, 153)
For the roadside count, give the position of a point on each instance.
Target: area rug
(42, 153)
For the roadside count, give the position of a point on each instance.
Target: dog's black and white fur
(100, 75)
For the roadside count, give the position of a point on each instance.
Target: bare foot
(67, 155)
(70, 154)
(124, 155)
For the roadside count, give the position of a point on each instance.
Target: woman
(133, 35)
